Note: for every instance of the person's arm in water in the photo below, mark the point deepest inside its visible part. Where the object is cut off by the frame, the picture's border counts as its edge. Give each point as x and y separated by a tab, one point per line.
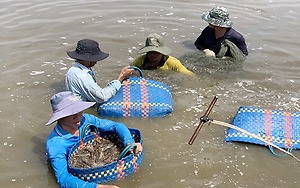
176	65
57	152
200	43
119	128
239	41
83	84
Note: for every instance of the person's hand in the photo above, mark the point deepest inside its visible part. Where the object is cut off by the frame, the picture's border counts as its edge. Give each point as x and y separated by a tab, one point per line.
139	148
209	53
107	186
125	73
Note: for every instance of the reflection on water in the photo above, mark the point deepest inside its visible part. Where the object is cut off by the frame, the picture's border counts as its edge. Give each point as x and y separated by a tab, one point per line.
35	36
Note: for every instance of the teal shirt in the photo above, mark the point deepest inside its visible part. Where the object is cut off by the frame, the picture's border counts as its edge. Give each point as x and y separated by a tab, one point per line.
59	143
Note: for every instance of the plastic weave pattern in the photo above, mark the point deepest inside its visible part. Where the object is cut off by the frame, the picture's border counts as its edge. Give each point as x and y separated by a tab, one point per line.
139	97
278	127
109	172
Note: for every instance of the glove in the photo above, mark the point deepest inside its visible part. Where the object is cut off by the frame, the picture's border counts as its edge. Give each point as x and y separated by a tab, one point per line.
209	53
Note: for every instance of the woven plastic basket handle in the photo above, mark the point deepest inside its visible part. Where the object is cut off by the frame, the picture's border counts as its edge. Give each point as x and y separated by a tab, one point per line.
126	150
138	69
279	155
86	127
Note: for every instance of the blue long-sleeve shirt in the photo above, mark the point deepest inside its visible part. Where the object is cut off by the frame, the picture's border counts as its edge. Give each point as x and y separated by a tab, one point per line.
59	142
207	40
82	82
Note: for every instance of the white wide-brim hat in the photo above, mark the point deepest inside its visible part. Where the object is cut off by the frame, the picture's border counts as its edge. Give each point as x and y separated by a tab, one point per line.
65	104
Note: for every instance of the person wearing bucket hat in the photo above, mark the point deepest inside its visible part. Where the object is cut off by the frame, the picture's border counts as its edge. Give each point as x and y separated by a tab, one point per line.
80	78
157	56
219	38
71	122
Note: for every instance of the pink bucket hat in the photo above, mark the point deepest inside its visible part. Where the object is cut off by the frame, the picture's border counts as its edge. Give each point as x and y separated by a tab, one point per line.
65	104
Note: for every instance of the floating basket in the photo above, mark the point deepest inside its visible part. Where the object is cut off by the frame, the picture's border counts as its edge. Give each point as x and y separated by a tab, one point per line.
139	97
126	164
278	127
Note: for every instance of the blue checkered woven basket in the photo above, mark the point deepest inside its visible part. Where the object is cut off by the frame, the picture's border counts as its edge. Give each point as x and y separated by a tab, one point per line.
278	127
109	172
139	97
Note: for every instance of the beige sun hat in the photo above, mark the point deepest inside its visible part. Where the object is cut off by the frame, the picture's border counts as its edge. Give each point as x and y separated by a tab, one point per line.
155	42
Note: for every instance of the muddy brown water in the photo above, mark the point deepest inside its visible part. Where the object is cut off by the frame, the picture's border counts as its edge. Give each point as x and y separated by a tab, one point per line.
35	35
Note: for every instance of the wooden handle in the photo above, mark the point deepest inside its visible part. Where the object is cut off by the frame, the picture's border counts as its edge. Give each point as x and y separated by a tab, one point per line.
203	120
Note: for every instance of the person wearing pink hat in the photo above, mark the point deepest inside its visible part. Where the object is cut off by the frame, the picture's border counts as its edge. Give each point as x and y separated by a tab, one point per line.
71	121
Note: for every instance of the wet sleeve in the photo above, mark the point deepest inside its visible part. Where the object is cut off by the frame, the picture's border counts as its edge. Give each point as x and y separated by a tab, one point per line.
199	43
101	95
84	85
138	62
176	65
57	155
241	44
239	41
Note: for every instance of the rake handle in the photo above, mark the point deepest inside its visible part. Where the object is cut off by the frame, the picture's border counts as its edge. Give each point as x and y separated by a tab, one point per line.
196	132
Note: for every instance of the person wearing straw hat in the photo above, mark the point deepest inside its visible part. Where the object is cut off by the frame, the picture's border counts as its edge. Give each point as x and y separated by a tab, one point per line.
219	39
80	78
157	56
71	121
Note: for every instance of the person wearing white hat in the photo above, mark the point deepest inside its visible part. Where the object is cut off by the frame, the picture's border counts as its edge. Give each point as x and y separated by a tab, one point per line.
219	39
157	56
71	122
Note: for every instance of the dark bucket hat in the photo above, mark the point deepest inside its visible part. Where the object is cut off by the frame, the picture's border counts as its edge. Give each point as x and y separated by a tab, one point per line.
66	104
218	16
88	50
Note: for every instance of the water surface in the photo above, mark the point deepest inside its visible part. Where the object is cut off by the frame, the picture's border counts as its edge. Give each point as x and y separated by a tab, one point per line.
35	35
